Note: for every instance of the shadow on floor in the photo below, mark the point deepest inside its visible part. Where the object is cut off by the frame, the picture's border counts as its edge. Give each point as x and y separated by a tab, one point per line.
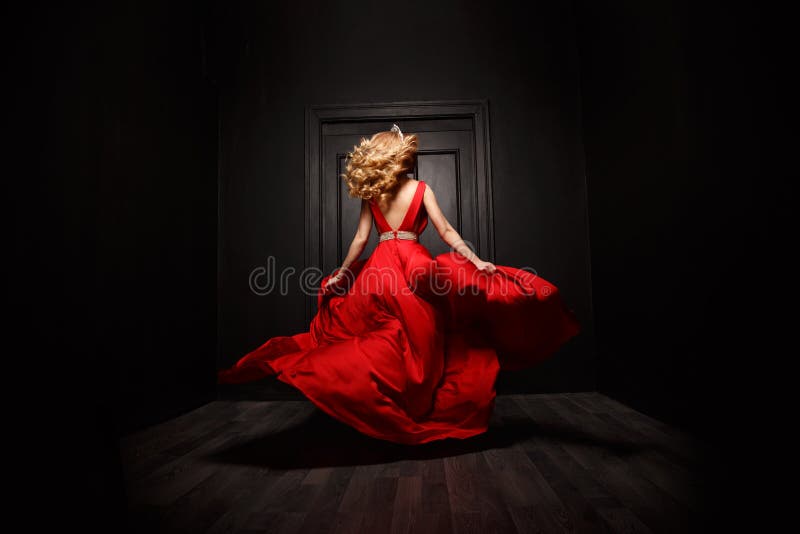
322	441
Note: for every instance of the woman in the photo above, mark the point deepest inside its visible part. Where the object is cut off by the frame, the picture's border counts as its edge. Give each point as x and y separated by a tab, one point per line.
406	347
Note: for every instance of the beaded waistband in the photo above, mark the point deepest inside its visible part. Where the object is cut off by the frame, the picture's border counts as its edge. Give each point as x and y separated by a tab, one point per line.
399	234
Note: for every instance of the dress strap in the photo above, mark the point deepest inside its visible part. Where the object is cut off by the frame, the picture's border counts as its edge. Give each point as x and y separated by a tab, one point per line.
413	209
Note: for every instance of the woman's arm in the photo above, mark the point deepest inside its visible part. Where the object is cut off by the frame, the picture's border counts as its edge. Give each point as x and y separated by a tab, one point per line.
359	241
449	234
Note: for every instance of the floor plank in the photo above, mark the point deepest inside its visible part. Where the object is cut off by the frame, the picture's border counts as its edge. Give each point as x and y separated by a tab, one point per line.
572	462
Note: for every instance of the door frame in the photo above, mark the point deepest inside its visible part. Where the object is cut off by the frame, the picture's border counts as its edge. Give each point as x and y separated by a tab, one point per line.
318	115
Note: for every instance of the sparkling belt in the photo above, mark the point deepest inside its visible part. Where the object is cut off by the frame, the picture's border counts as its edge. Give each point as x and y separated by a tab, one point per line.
399	234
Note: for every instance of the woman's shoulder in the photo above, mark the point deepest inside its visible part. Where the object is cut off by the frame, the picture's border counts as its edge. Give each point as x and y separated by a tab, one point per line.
426	189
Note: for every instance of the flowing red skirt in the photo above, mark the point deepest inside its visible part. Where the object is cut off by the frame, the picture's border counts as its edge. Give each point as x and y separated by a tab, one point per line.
408	348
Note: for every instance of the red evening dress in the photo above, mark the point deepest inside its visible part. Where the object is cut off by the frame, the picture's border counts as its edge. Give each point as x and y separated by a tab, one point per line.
407	347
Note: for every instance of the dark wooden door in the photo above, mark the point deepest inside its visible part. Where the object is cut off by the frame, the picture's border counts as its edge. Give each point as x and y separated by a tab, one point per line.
445	162
452	160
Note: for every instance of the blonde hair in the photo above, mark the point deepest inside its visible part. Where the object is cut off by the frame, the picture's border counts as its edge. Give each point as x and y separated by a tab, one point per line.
375	164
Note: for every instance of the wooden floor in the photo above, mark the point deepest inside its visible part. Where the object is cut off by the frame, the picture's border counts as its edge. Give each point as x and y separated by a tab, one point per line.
576	462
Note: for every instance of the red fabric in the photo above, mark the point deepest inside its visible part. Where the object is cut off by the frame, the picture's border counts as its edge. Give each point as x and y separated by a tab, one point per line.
392	355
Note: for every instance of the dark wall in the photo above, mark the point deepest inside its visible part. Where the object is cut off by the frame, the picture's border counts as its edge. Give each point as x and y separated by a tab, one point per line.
160	213
675	185
275	58
111	177
116	207
158	210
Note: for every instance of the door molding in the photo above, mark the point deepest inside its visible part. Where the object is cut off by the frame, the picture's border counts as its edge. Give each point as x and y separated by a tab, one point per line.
316	116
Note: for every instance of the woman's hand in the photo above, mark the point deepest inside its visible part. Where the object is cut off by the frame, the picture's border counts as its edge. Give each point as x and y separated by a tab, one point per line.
336	277
333	279
485	266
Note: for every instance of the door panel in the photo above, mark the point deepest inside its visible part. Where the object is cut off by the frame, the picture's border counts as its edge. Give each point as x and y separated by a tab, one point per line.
445	162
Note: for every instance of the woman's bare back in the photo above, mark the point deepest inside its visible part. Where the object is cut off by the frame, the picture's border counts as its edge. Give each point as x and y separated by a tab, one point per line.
397	207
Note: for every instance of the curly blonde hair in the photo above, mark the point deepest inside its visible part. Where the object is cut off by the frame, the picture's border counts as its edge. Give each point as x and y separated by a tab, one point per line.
375	164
